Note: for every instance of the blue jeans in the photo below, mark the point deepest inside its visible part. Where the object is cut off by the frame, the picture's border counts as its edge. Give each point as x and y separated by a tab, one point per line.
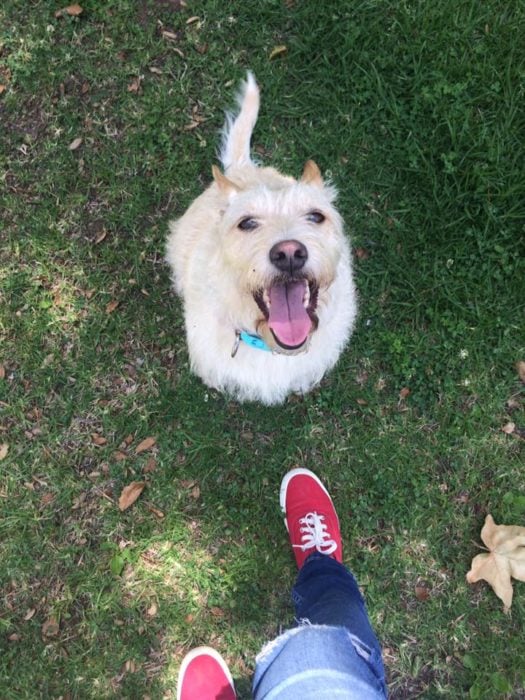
333	652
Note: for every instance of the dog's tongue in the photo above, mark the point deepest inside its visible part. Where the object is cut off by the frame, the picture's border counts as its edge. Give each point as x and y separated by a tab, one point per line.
288	319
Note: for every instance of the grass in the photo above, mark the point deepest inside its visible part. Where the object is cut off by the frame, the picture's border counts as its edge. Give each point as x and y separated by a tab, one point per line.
415	110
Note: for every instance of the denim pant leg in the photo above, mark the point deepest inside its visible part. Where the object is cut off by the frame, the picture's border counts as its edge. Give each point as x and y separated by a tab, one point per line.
333	653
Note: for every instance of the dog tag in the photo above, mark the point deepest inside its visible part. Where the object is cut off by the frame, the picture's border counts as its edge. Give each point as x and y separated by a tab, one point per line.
236	343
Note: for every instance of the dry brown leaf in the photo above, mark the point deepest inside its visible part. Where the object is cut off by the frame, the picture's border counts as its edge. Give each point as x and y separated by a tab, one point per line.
4	449
134	86
2	372
217	612
101	236
118	456
146	444
150	466
195	492
98	439
277	51
405	391
130	493
509	427
191	20
156	512
76	143
152	610
504	561
422	591
2	88
71	10
520	366
361	253
29	614
111	306
50	628
47	498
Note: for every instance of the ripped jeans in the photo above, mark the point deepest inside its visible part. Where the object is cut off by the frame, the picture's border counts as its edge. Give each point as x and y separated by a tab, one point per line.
333	653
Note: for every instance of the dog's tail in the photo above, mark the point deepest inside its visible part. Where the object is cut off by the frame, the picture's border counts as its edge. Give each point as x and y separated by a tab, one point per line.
237	132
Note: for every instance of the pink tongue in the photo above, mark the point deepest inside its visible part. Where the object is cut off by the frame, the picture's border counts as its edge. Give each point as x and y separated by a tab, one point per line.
288	318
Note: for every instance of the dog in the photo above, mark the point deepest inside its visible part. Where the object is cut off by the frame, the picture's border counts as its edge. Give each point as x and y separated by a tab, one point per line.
264	270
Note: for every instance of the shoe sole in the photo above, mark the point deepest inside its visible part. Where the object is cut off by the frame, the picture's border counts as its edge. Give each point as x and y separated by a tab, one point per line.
199	651
284	487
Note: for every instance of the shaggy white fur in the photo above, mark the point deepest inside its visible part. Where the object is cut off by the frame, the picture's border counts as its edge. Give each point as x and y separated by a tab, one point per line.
264	253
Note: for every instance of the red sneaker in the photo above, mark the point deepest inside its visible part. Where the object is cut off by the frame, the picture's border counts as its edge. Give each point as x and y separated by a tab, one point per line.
310	516
204	675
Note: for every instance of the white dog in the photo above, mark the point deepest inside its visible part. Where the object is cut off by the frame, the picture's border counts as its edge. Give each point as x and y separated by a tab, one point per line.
263	266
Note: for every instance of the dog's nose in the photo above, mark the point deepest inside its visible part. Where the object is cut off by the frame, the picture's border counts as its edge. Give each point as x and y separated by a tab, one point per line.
288	256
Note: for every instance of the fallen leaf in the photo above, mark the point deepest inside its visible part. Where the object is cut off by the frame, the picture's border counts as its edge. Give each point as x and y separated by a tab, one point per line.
146	444
191	20
152	610
277	51
361	253
520	366
422	591
71	10
134	86
2	372
76	143
29	614
101	236
98	439
195	492
150	466
154	69
217	612
130	493
405	391
50	628
118	456
509	427
14	637
111	306
156	512
2	88
4	449
47	498
505	560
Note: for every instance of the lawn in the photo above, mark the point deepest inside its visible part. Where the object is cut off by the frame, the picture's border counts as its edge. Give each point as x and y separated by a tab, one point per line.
109	123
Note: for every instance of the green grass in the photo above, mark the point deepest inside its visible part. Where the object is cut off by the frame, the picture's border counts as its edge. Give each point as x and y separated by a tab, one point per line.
415	110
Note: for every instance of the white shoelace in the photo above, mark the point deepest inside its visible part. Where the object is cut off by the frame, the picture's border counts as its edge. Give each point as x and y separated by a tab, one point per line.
314	534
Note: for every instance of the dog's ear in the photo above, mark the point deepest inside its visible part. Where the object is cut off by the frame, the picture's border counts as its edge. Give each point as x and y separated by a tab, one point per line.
311	174
226	186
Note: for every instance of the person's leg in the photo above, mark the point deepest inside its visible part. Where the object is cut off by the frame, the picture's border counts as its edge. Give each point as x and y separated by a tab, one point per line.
204	675
326	593
334	651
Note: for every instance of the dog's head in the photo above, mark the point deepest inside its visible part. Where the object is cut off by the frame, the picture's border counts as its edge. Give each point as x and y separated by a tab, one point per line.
281	242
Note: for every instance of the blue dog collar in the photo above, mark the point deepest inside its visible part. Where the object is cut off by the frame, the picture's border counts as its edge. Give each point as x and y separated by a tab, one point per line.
254	341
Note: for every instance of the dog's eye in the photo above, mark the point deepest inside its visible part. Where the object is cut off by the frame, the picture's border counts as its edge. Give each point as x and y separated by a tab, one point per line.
248	224
315	217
